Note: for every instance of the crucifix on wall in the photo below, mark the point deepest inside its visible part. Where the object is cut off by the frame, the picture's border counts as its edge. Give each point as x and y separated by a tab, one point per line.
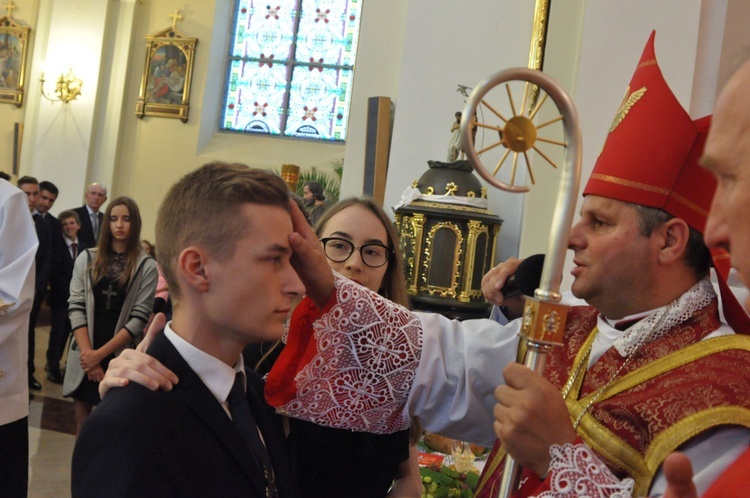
176	16
9	7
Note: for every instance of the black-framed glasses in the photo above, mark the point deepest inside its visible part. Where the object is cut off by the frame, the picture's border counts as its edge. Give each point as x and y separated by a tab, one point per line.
339	250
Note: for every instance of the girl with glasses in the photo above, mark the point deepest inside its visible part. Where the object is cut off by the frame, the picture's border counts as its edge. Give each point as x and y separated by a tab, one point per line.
360	243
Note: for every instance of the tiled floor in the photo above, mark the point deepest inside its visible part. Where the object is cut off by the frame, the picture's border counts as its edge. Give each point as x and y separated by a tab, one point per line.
51	430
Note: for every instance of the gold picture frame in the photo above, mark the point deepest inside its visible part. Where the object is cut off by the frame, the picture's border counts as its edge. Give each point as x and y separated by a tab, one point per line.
14	43
165	85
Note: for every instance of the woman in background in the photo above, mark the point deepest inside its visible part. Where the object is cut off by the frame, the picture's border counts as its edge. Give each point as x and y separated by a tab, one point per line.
148	248
111	297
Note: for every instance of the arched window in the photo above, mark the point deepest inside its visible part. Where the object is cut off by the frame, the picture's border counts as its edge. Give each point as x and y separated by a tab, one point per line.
291	67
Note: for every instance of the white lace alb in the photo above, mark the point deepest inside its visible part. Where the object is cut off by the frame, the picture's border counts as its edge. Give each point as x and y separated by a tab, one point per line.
575	471
697	297
368	350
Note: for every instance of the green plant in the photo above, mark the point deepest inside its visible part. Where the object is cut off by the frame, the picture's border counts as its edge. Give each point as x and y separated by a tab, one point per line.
338	167
444	482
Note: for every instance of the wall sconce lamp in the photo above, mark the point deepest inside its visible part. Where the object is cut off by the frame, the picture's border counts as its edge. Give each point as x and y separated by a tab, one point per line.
67	88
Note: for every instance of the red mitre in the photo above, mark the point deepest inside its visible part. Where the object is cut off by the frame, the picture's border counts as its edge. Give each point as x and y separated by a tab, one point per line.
651	158
651	154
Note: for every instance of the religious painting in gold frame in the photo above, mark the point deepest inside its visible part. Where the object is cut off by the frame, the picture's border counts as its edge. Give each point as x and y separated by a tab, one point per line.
14	43
168	70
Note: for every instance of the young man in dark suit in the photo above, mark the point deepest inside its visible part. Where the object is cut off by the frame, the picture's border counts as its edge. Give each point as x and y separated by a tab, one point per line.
30	187
48	193
65	253
90	215
232	283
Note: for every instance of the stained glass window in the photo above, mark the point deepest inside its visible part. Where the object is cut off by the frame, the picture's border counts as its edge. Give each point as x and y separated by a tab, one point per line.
291	67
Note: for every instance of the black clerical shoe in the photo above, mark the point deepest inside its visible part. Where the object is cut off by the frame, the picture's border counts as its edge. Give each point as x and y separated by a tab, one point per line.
55	377
34	384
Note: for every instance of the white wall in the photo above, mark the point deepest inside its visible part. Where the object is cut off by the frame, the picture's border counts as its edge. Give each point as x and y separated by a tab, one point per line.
381	39
58	137
447	43
99	138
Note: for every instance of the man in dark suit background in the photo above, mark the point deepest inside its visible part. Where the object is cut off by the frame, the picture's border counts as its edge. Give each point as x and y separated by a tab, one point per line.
90	215
64	256
231	284
48	193
30	187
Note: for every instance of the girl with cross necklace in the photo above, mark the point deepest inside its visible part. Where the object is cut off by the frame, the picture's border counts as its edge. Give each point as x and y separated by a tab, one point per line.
111	297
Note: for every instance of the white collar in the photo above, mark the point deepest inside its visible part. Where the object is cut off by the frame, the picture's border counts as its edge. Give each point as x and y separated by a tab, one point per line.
215	374
697	297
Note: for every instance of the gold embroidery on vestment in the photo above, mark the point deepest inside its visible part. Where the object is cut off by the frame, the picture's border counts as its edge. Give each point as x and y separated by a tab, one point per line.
642	468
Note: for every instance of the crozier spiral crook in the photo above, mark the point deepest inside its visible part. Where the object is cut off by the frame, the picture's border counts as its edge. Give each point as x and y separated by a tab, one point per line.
519	134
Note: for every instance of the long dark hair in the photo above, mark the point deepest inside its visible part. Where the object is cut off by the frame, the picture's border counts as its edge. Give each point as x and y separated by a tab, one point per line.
104	245
393	286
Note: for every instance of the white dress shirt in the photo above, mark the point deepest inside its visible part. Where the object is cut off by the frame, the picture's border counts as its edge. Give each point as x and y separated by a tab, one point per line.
215	374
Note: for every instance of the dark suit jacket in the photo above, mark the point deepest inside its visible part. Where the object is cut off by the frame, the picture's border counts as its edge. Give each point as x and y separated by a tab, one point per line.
62	272
43	254
56	226
86	233
178	443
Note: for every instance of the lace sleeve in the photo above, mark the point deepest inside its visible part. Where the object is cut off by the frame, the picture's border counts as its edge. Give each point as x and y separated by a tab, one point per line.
367	351
576	471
